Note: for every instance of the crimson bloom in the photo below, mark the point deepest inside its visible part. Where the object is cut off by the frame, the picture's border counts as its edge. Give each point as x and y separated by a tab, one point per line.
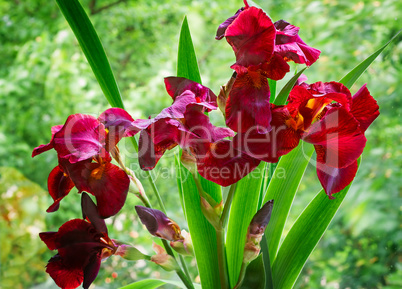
184	123
83	145
81	245
262	49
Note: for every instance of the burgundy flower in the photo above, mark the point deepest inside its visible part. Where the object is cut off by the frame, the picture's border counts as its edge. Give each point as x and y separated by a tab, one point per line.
81	246
83	144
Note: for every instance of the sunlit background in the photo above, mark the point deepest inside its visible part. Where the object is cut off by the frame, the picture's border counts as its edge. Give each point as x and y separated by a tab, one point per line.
44	77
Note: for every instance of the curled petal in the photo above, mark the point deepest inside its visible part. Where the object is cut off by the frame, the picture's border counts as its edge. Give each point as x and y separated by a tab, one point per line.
252	37
82	137
225	165
291	47
158	224
90	212
59	185
45	147
333	179
337	138
248	103
364	108
220	33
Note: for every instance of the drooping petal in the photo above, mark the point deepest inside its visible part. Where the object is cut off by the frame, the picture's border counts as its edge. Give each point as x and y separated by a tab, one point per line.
82	137
154	141
220	33
49	239
107	182
276	68
337	138
248	104
225	165
364	108
175	86
333	179
252	37
291	47
158	224
91	270
45	147
268	147
90	212
59	185
64	276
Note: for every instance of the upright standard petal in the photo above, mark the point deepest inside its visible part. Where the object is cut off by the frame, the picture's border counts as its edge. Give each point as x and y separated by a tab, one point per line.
364	108
337	138
220	33
248	104
252	37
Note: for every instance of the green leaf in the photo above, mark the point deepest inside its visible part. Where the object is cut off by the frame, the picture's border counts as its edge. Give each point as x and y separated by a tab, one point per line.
282	189
187	61
272	87
255	275
304	235
284	93
92	48
203	235
178	180
349	79
153	283
244	206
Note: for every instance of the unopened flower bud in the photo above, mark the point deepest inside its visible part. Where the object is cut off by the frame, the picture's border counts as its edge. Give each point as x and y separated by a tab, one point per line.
158	224
163	259
183	247
189	162
129	252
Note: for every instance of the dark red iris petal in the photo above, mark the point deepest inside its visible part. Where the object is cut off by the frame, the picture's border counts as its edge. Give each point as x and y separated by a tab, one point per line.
225	165
91	270
252	37
337	138
64	276
276	68
248	103
59	185
82	137
364	108
290	46
176	86
220	33
333	179
155	140
45	147
107	182
270	146
91	213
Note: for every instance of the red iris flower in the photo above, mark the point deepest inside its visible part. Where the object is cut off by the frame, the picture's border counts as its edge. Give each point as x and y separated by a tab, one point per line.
83	144
335	129
81	245
262	49
184	123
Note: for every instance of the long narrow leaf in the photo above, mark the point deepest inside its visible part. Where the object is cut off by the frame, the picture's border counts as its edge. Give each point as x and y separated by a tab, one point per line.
303	237
282	189
244	206
255	275
349	79
154	283
187	61
92	48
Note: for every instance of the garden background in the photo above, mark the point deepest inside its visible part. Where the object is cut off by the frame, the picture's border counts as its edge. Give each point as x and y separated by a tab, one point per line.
44	77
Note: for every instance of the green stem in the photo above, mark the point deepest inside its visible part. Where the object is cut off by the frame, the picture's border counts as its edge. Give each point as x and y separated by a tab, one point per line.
222	263
241	276
184	265
228	203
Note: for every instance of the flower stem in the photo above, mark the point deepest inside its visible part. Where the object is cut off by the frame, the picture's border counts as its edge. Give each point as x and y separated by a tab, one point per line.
228	203
222	263
241	276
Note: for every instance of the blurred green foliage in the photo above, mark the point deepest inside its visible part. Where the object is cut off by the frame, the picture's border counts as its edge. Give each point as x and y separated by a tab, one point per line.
44	77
